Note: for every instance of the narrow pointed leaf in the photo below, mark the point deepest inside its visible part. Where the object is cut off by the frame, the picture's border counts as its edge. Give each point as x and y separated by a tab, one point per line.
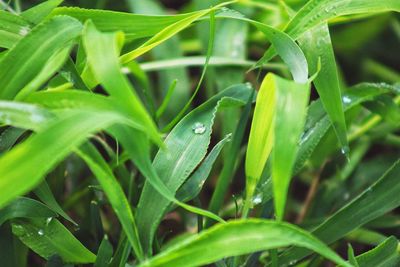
24	207
114	193
191	136
317	44
243	237
27	58
107	70
37	13
48	237
70	131
375	201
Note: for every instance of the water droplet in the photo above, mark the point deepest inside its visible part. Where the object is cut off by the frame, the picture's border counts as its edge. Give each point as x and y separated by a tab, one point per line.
248	85
257	199
48	220
346	99
292	262
346	196
40	232
199	128
24	31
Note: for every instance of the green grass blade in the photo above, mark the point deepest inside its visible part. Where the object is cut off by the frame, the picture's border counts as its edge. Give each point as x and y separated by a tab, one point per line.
292	99
203	73
27	58
228	170
191	136
104	254
238	238
12	29
169	49
318	122
24	207
385	254
278	122
164	35
166	100
48	237
317	11
134	26
375	201
43	192
138	151
107	70
37	13
70	131
317	45
285	46
192	187
114	193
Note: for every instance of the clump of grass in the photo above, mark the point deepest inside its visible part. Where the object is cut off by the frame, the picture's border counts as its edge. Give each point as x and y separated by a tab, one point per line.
141	138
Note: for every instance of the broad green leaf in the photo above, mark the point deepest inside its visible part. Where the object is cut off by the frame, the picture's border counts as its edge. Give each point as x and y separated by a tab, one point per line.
317	44
107	70
37	13
12	29
278	122
191	136
375	201
24	207
48	237
386	254
70	131
192	187
238	238
29	56
114	192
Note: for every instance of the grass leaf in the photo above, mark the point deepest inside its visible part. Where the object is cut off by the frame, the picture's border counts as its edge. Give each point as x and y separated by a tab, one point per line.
243	237
24	61
48	237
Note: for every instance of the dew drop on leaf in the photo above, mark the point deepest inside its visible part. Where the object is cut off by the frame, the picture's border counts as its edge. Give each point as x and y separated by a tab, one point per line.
199	128
346	99
257	199
40	232
48	220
